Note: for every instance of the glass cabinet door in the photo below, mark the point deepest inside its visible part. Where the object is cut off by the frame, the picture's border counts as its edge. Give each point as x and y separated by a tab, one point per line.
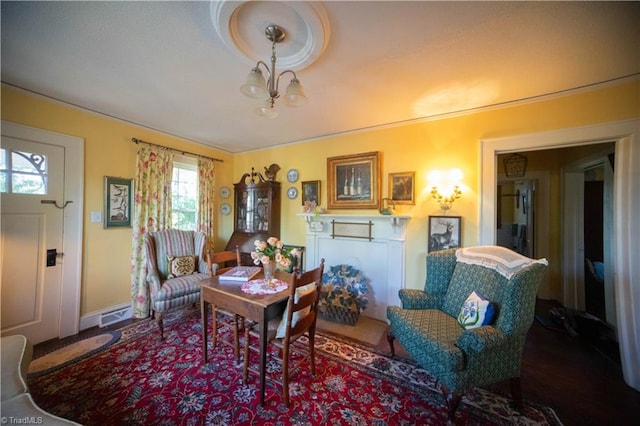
253	212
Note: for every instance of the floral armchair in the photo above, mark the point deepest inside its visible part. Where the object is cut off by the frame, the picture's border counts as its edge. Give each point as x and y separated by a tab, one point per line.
175	263
434	325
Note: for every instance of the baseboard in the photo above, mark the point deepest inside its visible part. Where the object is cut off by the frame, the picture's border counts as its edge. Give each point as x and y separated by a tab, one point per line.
92	319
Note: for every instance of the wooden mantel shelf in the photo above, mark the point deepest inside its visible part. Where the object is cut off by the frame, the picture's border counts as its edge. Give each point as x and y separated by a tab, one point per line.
397	221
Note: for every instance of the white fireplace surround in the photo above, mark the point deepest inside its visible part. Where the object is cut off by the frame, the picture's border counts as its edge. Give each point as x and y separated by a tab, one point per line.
381	259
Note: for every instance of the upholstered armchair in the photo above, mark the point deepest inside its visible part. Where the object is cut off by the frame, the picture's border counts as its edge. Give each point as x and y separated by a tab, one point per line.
175	263
447	327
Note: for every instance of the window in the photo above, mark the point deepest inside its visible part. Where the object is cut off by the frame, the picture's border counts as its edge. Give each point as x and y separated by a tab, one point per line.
184	194
23	172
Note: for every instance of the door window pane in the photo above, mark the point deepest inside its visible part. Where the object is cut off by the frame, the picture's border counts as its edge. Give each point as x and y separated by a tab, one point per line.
23	172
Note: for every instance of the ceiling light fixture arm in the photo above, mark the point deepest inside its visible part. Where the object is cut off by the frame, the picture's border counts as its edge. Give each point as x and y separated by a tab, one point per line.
258	88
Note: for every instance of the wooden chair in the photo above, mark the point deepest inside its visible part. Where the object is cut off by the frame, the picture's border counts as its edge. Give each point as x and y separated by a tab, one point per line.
223	261
298	319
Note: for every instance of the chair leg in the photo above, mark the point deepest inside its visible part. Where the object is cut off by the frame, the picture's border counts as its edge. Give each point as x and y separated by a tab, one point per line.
453	400
160	322
245	371
390	339
236	338
312	350
516	393
285	374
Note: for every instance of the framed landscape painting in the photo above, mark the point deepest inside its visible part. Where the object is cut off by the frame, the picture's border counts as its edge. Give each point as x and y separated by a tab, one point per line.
353	181
402	187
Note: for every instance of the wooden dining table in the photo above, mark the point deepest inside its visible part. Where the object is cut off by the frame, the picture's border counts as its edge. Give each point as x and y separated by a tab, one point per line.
260	308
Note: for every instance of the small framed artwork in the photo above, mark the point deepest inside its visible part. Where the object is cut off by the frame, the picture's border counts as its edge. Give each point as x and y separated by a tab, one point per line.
402	187
118	201
353	181
311	191
444	232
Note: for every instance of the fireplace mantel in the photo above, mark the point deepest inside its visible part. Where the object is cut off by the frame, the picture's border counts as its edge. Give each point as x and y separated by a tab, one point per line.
375	244
394	223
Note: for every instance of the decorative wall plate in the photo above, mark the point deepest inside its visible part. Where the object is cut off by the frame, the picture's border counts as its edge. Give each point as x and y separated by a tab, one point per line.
225	192
292	193
292	175
225	208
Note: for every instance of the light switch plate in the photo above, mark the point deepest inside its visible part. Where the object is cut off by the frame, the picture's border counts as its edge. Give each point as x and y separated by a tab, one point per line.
96	217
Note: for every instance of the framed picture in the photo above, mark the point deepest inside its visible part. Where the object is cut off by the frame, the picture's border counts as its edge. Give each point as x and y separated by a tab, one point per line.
402	188
118	199
444	232
353	181
311	191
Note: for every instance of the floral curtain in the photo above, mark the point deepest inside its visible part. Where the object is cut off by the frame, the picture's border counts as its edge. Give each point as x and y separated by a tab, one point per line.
206	205
152	212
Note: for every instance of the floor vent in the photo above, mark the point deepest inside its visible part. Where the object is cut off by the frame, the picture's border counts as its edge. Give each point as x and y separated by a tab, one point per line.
108	318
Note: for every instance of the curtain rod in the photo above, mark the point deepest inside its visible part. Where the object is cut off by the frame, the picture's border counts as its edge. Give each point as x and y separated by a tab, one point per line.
138	141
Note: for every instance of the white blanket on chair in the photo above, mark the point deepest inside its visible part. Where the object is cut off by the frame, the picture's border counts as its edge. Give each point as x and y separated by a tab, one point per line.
506	262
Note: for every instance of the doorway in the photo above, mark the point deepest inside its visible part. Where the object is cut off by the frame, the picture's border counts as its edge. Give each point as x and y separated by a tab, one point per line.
588	234
625	204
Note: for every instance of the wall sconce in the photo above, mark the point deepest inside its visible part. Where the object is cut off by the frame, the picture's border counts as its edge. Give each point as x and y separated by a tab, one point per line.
445	189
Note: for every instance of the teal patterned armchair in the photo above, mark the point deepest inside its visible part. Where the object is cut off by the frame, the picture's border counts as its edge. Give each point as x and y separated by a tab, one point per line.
429	329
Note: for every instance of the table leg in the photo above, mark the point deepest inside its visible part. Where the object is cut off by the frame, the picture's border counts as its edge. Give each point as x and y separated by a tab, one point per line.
263	357
203	318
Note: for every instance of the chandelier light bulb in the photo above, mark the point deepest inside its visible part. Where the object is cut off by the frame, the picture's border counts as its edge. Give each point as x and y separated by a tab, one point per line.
256	86
266	110
294	95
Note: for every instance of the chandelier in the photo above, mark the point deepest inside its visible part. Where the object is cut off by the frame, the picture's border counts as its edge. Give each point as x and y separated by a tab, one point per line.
257	87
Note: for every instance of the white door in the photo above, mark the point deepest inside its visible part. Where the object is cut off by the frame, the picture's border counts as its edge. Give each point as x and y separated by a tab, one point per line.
32	181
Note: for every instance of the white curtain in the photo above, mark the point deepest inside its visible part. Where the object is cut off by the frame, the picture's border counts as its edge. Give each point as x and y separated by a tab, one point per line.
627	247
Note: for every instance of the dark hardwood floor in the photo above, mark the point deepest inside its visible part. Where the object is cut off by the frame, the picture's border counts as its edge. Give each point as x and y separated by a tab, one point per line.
581	382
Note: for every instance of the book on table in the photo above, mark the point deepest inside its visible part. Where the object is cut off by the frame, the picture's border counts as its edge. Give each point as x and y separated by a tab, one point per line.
240	273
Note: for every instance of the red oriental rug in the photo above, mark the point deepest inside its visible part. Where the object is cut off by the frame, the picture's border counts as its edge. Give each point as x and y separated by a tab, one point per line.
141	381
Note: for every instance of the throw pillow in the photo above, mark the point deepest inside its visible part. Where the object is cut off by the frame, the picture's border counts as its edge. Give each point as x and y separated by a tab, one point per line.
181	265
300	291
476	312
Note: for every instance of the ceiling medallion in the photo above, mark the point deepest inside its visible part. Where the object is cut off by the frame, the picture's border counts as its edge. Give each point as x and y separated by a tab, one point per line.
307	27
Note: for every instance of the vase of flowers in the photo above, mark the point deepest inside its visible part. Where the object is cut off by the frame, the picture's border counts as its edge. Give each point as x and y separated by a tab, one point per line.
272	254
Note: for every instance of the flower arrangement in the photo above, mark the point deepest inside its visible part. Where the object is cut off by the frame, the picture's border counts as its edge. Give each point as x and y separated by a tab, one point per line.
273	250
311	207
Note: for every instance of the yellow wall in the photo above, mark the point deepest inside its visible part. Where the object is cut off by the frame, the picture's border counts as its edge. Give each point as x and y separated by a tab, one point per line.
444	144
421	147
108	152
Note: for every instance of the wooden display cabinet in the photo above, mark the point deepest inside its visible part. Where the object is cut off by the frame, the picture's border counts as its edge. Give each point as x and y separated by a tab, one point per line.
256	212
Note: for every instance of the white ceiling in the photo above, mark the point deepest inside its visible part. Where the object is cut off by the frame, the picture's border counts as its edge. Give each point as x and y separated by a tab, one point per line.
163	65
